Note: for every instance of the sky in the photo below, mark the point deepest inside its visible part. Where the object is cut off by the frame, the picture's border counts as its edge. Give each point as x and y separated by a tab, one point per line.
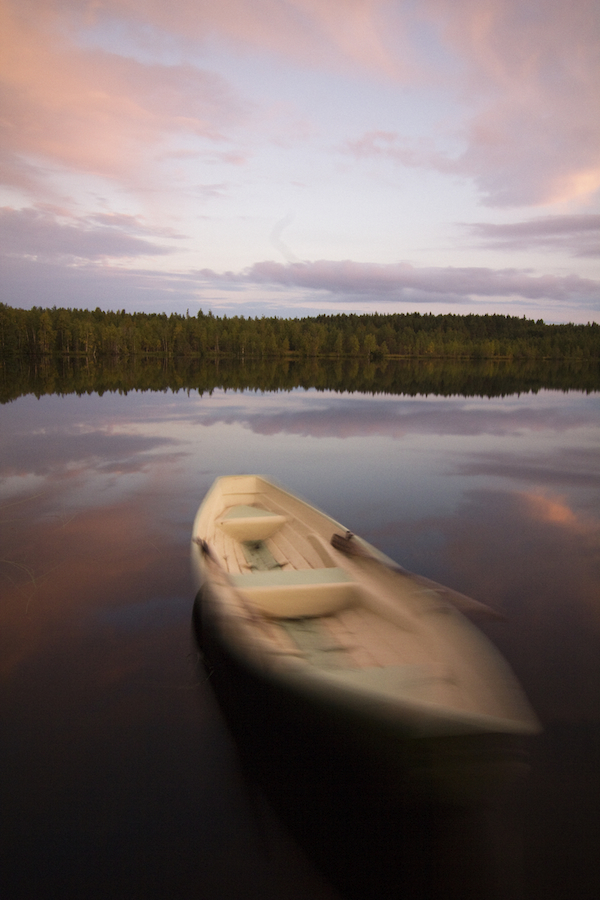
298	157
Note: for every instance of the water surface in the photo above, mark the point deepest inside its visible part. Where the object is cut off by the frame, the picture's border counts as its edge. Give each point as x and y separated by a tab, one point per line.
119	777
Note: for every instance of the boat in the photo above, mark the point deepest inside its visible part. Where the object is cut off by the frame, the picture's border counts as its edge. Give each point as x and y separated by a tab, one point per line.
338	645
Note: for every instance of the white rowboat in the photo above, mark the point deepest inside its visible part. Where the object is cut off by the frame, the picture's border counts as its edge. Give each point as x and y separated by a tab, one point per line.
335	632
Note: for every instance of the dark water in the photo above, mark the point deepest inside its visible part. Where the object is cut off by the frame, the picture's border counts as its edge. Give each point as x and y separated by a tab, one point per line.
118	774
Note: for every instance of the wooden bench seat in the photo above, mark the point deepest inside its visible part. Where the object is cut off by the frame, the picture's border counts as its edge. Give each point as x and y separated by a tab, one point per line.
298	593
250	523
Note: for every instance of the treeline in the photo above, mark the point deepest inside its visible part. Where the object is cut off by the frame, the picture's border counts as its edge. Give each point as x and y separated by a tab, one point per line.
96	335
408	377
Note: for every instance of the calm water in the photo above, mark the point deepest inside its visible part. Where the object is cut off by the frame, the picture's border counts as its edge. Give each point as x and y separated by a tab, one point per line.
118	776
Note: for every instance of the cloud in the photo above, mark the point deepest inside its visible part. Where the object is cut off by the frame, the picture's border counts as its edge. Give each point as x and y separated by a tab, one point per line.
330	34
212	191
94	111
391	145
514	156
526	76
33	282
402	281
533	67
39	234
132	224
578	235
101	97
36	274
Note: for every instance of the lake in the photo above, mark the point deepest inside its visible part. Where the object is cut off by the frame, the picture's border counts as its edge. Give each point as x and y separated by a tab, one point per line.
119	777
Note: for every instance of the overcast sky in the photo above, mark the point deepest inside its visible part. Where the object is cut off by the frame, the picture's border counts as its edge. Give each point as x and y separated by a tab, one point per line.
293	157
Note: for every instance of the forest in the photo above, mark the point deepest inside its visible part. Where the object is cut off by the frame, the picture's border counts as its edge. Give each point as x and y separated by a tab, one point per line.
98	335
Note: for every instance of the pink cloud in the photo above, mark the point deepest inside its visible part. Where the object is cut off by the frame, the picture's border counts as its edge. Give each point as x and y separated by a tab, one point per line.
95	111
528	80
398	149
525	75
330	34
535	67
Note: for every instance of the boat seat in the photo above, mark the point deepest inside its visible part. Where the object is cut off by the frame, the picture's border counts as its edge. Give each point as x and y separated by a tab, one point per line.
298	593
250	523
